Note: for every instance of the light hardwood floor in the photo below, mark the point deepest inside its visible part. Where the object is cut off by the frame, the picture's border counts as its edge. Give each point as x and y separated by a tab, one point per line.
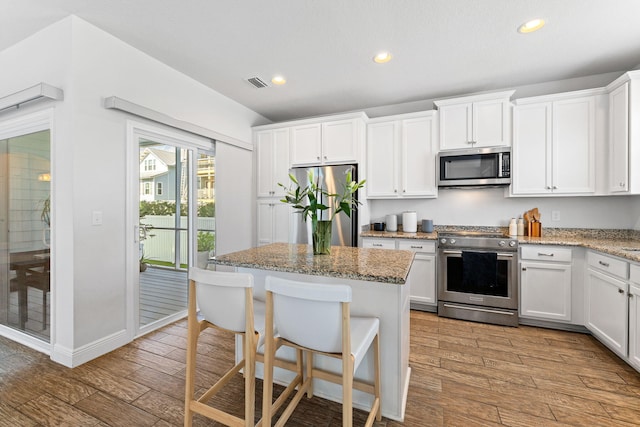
463	374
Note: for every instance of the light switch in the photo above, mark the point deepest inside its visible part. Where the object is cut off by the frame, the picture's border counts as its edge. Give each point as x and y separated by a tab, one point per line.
96	218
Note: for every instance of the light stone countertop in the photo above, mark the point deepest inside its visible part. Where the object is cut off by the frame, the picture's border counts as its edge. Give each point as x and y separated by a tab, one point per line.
371	265
621	243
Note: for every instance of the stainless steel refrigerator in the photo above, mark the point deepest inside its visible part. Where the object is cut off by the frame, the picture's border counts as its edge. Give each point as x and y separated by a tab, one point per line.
332	178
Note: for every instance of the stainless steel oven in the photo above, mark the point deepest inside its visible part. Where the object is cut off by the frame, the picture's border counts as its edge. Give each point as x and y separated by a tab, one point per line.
478	277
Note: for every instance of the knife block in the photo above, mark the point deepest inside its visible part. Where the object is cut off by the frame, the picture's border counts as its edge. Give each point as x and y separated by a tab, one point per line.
535	229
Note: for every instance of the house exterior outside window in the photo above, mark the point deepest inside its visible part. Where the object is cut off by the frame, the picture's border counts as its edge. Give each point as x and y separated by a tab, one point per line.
158	188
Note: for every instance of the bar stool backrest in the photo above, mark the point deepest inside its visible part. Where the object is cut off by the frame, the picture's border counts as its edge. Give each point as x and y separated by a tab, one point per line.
221	297
309	314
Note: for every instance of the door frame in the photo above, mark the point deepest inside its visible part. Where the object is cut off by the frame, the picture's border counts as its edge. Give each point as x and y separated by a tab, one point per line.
14	127
171	136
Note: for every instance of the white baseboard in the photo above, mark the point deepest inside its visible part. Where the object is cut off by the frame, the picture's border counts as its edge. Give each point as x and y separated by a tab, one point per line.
76	357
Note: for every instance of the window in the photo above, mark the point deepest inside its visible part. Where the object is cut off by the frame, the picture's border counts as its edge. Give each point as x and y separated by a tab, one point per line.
150	164
159	188
147	188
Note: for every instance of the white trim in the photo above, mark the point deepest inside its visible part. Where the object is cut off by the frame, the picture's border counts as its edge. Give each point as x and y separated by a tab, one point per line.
26	340
26	124
115	103
72	358
33	93
192	143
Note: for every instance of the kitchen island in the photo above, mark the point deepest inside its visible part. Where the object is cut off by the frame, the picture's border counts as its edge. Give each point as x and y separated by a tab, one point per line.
379	280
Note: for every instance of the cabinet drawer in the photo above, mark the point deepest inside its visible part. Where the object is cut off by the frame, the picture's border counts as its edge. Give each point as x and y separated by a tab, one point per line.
545	253
615	267
379	243
634	273
428	246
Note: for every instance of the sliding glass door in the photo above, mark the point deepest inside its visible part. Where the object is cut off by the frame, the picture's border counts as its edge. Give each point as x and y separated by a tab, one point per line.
175	201
25	233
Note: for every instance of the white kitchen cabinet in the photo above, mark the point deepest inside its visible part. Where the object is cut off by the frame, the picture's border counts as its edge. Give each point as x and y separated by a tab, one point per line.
475	121
624	134
325	143
272	152
607	306
634	316
554	144
274	220
401	156
423	269
545	283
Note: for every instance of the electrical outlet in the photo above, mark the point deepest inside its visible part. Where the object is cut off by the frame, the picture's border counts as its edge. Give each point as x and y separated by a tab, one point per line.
555	215
96	218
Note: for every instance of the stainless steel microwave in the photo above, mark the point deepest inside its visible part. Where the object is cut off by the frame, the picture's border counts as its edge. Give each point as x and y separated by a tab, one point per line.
481	167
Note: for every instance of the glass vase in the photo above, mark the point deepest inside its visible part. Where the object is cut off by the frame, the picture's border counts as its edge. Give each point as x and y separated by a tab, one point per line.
322	238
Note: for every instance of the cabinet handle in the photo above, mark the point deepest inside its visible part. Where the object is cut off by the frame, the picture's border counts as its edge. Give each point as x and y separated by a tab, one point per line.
604	264
555	188
318	157
325	157
395	190
543	254
404	191
622	184
548	188
524	268
377	244
416	247
621	291
630	295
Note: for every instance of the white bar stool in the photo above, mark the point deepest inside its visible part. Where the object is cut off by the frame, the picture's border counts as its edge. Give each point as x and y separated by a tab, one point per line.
316	319
226	303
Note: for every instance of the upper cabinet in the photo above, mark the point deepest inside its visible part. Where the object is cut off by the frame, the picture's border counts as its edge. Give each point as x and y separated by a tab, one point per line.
554	143
327	142
475	121
272	148
624	134
401	156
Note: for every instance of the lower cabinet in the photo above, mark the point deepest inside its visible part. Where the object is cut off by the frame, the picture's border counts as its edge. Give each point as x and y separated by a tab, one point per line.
607	301
545	283
423	270
274	219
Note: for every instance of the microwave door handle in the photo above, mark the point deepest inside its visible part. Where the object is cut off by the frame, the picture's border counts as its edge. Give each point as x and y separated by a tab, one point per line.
500	165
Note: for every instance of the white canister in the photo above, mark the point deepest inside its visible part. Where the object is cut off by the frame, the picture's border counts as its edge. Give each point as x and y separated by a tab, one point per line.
409	222
391	222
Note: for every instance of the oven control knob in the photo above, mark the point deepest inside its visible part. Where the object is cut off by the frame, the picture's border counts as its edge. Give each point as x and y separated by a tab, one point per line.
502	243
443	241
512	243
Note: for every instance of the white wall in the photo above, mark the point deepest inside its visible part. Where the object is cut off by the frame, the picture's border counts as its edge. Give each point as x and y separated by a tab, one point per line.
89	173
489	207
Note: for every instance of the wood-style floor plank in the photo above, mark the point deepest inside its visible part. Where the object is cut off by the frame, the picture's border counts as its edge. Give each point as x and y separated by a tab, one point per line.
463	374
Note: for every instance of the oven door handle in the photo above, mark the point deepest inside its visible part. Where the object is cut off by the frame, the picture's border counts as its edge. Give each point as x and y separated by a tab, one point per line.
499	254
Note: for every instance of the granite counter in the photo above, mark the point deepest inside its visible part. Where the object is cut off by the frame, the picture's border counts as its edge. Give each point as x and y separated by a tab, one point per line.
374	265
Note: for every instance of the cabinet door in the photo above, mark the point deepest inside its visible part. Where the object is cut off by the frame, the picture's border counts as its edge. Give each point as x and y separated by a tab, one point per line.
265	222
491	123
532	149
455	126
306	143
272	151
634	326
382	159
619	140
423	279
607	310
340	142
574	146
264	155
281	222
280	166
545	290
418	171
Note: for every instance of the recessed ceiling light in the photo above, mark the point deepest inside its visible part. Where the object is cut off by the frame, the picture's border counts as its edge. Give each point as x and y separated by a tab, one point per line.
278	80
382	57
531	26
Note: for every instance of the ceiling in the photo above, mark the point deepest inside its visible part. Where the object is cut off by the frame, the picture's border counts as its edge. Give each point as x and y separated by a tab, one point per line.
324	48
